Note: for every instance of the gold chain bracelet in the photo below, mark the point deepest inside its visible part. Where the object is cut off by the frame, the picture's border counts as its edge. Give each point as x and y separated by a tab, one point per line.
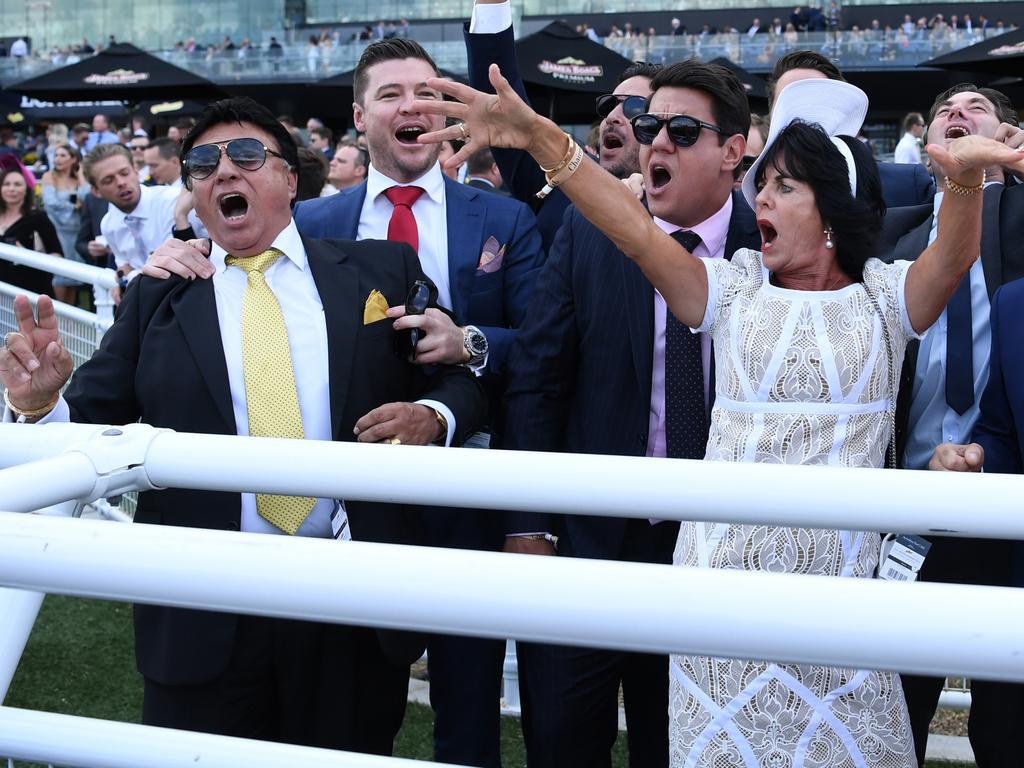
964	191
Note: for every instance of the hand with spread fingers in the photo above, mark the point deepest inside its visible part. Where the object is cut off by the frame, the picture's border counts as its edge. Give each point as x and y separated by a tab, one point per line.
949	457
399	423
961	160
185	259
501	119
34	364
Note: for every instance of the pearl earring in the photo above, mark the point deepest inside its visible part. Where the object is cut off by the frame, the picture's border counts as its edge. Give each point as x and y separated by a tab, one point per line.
828	239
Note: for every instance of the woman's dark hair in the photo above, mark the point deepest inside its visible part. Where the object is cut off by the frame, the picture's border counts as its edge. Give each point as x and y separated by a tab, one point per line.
76	159
809	155
26	206
239	109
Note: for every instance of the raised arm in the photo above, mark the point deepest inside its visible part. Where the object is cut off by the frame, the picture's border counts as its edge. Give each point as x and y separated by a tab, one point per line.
935	275
34	364
504	120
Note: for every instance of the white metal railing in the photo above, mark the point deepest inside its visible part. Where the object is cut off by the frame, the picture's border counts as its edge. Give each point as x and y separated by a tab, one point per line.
948	628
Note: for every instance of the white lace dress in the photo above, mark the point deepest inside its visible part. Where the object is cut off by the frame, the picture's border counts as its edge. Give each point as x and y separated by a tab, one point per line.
802	378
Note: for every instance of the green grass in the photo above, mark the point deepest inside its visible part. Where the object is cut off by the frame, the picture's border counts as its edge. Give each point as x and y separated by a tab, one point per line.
79	661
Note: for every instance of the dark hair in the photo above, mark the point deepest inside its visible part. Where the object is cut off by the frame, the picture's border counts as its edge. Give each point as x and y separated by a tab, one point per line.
76	159
102	152
640	69
168	147
729	105
912	119
480	161
26	204
362	156
239	109
324	133
392	49
802	60
809	155
1004	107
312	174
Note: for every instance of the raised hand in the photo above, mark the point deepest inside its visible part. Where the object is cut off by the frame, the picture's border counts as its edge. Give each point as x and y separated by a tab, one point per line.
501	119
34	364
961	158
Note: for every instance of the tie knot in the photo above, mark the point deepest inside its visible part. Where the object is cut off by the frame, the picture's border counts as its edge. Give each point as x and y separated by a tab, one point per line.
258	263
689	240
403	195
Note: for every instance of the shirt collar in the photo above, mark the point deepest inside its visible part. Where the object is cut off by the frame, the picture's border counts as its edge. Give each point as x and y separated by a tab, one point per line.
432	183
287	241
713	230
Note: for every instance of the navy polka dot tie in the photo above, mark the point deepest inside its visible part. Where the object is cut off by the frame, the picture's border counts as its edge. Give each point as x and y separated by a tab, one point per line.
686	420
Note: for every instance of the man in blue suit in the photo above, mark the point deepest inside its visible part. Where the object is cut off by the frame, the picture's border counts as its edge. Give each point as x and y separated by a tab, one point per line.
601	366
482	252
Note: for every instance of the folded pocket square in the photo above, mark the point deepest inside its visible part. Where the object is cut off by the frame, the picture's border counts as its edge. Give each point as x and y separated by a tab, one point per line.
491	257
376	307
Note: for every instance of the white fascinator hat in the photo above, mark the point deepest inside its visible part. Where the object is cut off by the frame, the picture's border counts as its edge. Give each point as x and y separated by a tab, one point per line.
837	107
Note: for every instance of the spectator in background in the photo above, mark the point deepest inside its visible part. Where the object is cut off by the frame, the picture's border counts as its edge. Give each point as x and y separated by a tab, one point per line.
313	55
79	136
56	135
312	174
22	225
908	150
137	146
320	140
482	172
90	243
756	138
64	186
348	167
163	162
19	49
100	133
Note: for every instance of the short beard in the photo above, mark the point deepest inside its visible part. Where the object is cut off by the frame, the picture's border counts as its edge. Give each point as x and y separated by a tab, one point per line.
626	165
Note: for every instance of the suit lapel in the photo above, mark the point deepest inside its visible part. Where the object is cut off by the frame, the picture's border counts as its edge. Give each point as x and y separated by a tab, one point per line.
348	213
465	217
743	231
991	252
195	308
912	244
337	282
640	316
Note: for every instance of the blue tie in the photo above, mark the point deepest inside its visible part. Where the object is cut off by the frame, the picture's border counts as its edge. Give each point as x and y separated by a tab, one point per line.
960	348
686	420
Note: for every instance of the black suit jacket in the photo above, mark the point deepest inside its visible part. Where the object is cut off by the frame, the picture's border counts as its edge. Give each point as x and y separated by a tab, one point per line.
162	362
580	378
89	217
906	231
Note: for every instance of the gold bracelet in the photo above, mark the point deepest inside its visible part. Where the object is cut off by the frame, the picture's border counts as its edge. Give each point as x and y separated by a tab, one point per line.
959	189
559	177
565	158
30	414
443	422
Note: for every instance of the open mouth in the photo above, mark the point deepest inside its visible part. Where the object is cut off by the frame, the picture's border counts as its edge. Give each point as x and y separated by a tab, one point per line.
660	176
611	141
768	234
956	132
233	206
409	135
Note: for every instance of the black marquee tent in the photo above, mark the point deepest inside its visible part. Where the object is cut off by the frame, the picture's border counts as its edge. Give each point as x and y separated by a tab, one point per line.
1001	55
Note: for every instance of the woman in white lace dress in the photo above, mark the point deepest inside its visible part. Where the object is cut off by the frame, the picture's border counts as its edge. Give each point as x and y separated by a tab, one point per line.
809	335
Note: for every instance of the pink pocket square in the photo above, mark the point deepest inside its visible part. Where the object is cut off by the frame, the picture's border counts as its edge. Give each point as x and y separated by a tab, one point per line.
491	257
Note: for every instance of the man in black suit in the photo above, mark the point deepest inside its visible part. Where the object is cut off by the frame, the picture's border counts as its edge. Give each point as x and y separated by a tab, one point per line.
937	405
185	355
94	251
589	375
482	172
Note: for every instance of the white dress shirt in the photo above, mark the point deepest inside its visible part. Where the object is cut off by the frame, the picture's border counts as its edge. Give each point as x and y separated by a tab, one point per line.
431	223
489	19
154	218
907	150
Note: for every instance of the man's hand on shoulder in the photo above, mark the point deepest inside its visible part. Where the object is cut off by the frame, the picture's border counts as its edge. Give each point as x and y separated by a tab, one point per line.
185	259
443	341
34	364
399	423
949	457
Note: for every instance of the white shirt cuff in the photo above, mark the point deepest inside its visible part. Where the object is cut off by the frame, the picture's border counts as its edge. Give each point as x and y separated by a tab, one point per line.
445	411
490	19
60	414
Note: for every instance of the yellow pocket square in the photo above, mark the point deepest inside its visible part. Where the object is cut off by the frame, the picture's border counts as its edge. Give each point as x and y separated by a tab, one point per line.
376	307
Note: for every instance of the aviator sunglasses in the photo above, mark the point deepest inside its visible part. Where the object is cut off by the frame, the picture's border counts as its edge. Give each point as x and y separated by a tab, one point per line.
631	105
682	129
247	154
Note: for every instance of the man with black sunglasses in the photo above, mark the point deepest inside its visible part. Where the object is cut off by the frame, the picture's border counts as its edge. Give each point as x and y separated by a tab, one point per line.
600	366
287	340
489	40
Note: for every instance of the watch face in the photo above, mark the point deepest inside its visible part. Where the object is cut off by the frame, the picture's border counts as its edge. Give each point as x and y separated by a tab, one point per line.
477	343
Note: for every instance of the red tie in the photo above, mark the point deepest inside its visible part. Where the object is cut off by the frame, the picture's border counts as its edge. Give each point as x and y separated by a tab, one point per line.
402	227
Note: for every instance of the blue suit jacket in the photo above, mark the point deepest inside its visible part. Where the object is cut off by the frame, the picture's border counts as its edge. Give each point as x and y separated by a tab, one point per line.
1001	423
496	302
905	184
580	378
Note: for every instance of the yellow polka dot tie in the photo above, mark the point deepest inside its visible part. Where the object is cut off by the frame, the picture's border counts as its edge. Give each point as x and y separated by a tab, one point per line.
270	394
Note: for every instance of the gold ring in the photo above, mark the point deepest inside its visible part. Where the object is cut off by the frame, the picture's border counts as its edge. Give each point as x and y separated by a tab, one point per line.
394	441
7	338
463	131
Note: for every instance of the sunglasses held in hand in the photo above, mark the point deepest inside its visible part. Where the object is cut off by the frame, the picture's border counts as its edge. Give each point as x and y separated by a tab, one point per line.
247	154
682	129
416	303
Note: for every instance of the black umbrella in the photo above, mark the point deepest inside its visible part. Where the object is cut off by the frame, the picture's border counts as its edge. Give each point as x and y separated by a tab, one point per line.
561	59
1000	55
18	109
756	87
123	73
